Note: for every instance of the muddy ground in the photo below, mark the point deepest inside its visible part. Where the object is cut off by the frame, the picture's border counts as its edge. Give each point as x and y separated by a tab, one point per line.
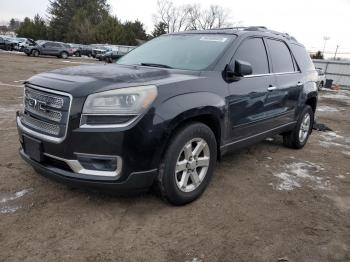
265	203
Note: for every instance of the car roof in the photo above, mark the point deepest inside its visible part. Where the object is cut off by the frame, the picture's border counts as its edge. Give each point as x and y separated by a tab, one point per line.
255	30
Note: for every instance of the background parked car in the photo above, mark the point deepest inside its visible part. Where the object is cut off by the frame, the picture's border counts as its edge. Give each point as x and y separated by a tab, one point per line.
116	53
99	50
6	43
321	77
23	42
49	48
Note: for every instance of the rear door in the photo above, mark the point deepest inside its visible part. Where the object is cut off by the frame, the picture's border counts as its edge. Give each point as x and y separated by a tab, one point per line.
281	100
246	103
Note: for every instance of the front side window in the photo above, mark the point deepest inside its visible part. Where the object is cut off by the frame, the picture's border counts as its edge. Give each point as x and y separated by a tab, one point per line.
282	61
183	51
253	51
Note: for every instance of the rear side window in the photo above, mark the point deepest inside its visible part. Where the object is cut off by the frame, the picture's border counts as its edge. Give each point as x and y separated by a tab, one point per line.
253	51
303	59
280	55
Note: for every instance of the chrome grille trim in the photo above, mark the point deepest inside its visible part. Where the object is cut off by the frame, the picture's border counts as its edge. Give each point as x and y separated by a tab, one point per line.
49	114
52	101
42	126
63	127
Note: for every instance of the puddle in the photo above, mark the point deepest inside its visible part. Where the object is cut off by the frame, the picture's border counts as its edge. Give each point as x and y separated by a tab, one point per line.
9	202
300	174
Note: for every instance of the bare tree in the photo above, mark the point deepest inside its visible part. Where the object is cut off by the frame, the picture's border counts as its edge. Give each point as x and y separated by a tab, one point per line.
174	17
213	17
190	17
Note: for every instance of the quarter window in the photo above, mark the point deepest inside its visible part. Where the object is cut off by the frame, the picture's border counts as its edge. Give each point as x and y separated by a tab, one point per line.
280	56
253	51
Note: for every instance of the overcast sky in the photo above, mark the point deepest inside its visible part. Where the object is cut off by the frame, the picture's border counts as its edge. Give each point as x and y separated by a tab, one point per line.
308	20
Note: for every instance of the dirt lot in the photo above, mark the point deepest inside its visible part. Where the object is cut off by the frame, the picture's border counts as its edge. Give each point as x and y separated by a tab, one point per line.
265	203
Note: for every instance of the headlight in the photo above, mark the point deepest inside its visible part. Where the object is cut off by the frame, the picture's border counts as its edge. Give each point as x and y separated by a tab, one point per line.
117	106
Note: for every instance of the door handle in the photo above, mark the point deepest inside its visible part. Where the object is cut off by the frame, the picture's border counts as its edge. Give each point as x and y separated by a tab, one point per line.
271	88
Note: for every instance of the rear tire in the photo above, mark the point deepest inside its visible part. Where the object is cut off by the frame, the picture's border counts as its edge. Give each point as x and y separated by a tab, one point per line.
298	137
188	164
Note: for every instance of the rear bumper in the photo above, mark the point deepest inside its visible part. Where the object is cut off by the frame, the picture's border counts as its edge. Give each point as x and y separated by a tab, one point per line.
135	182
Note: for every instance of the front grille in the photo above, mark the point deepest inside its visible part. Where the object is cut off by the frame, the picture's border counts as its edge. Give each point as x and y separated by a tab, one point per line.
39	125
46	111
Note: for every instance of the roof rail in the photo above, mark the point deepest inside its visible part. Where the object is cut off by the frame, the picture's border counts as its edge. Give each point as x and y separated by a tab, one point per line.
264	29
256	28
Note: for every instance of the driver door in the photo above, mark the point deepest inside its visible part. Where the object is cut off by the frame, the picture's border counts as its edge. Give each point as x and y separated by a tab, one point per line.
246	104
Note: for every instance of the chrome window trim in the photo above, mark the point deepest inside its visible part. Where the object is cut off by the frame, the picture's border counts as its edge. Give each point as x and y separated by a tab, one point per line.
246	138
36	134
79	169
271	74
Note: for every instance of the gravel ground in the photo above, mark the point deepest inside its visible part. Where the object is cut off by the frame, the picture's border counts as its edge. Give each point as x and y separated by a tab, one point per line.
265	203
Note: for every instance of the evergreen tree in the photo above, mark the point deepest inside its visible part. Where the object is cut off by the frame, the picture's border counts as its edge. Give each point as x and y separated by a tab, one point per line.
35	28
68	15
159	29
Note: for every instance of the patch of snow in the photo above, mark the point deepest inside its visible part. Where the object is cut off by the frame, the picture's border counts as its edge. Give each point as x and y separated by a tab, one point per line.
75	62
333	139
288	182
326	109
328	144
330	136
9	196
340	96
4	84
296	174
340	176
8	201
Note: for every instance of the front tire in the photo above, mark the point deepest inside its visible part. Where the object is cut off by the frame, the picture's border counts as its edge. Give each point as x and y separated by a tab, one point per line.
64	55
188	164
298	137
35	53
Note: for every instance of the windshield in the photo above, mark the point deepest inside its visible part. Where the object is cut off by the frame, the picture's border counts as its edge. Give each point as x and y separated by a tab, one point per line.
186	51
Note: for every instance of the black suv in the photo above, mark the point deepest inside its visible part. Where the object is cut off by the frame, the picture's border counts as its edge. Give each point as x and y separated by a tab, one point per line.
49	48
166	111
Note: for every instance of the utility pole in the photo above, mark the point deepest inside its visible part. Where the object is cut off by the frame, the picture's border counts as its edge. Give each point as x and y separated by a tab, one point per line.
336	51
325	38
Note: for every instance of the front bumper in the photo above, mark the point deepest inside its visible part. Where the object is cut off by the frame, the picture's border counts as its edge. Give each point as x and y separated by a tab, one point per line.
135	182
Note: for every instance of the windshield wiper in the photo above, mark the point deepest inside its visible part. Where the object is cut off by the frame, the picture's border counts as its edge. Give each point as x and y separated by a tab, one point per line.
155	65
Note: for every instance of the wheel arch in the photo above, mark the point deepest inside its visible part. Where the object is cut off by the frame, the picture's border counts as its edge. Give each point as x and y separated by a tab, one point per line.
35	49
206	108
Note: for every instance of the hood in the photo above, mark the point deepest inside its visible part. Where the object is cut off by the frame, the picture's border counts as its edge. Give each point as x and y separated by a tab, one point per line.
87	79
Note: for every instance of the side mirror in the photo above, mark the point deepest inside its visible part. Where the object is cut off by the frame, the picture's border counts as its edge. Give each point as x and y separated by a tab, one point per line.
241	69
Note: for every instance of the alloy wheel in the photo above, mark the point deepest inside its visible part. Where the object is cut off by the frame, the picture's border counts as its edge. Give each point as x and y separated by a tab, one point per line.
192	165
304	128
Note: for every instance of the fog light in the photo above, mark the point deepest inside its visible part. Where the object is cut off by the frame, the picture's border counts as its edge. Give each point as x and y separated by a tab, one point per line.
98	162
